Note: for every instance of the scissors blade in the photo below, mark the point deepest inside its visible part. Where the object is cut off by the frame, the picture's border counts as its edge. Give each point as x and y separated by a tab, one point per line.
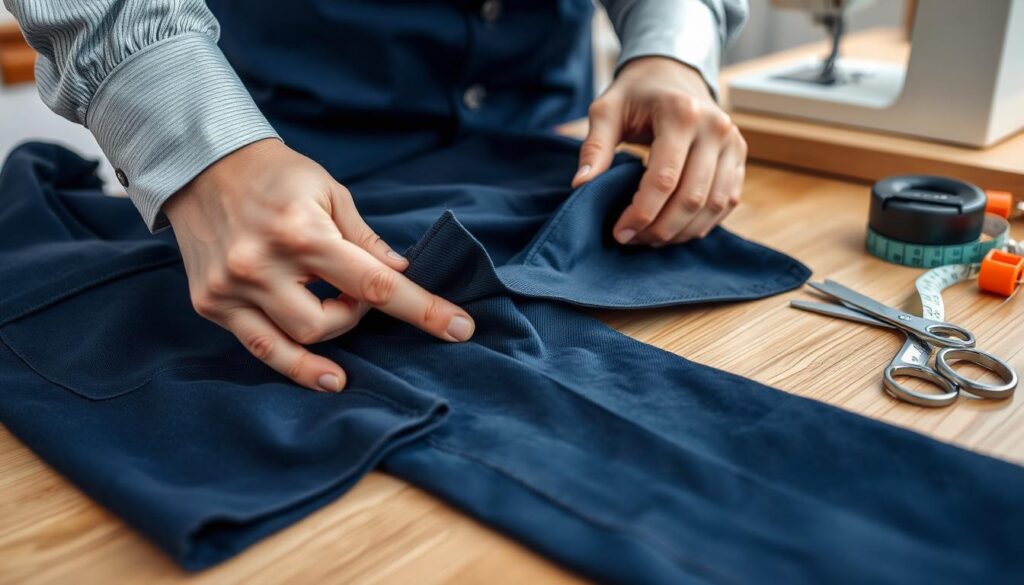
926	329
853	298
839	312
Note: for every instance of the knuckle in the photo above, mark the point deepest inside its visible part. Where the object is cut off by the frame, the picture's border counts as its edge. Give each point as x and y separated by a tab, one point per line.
204	303
599	108
309	334
693	201
295	229
294	370
368	239
218	284
686	107
660	235
434	312
301	242
664	180
741	144
721	125
591	149
260	346
646	217
717	203
341	190
242	263
378	287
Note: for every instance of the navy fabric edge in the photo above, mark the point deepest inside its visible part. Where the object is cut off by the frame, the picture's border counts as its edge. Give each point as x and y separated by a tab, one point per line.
286	514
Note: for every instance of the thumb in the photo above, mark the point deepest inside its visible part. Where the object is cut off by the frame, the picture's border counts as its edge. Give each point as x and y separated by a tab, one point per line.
598	148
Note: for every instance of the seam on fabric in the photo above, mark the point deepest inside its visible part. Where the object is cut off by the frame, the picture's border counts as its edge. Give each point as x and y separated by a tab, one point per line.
92	282
393	404
198	366
753	292
563	211
656	543
797	270
81	393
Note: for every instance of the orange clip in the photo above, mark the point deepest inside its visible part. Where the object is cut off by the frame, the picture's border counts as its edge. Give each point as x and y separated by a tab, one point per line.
1000	272
999	203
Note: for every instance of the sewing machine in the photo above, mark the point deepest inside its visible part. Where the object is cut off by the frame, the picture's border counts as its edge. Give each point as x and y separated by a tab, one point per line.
963	83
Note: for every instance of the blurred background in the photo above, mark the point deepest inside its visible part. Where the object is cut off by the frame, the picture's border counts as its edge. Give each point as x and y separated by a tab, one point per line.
768	30
23	116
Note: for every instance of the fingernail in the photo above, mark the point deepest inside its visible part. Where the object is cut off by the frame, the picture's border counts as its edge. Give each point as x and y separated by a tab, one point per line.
395	256
583	172
625	236
329	382
460	328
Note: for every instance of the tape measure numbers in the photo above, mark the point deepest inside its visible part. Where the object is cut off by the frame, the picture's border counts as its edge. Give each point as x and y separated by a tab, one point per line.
924	221
931	284
995	231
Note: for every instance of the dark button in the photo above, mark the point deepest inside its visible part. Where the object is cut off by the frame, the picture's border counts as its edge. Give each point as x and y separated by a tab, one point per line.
490	11
121	178
474	96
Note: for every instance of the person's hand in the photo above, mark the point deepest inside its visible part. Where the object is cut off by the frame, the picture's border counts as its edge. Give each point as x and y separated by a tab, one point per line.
696	167
259	225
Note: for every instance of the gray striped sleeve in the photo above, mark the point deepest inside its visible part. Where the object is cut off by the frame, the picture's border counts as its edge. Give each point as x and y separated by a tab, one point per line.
690	31
146	77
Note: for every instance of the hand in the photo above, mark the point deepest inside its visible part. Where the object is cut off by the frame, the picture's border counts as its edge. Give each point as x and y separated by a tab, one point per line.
257	226
696	167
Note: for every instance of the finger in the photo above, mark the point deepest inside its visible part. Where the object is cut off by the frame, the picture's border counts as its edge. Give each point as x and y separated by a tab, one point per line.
721	199
598	149
301	315
689	198
734	197
271	346
355	230
358	274
669	150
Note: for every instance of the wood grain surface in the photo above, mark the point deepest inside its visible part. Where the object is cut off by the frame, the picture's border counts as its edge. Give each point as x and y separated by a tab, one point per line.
385	531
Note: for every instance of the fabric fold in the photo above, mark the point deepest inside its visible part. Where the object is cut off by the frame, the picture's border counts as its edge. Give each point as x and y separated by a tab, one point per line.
619	460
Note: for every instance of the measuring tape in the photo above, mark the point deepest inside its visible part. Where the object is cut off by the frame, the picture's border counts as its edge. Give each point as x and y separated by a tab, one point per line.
924	221
995	232
931	284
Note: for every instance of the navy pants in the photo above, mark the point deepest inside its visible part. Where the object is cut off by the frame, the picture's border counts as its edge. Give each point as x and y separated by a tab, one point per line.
619	460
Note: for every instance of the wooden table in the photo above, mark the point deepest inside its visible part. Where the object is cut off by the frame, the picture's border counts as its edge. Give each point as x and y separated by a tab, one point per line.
387	531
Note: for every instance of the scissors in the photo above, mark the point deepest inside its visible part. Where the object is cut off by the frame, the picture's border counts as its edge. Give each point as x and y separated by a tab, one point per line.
912	359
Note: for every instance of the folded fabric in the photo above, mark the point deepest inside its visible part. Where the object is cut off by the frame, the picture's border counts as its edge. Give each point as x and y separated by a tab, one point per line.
622	461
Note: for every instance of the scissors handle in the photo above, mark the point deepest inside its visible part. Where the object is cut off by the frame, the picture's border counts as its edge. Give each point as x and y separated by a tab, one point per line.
901	392
979	358
912	360
947	334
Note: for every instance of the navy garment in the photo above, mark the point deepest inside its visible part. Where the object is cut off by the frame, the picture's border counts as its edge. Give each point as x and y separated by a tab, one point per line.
623	462
359	84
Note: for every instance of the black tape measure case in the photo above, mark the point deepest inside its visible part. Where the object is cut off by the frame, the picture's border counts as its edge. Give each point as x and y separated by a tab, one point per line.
926	221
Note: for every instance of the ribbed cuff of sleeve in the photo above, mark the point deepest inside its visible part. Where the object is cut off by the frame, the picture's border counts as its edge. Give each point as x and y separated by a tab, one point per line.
166	113
684	30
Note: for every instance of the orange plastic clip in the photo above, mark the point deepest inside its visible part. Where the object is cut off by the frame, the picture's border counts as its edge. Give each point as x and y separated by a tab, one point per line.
999	203
1000	272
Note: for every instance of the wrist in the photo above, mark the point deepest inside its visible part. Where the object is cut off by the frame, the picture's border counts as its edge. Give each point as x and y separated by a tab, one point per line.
221	177
665	69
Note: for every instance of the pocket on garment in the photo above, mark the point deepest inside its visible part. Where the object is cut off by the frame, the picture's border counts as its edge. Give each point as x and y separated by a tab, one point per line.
105	335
